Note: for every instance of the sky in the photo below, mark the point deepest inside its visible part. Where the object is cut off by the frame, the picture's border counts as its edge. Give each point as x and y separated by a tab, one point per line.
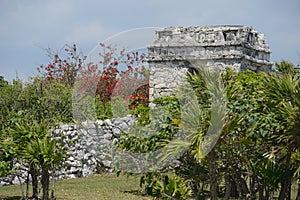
28	27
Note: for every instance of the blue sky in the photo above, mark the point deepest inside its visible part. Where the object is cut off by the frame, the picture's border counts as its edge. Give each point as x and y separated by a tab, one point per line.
27	27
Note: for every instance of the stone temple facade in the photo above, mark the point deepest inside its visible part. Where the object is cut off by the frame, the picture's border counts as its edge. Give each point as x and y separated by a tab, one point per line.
176	50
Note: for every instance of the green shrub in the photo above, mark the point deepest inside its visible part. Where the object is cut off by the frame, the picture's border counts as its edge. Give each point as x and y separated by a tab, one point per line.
165	186
154	126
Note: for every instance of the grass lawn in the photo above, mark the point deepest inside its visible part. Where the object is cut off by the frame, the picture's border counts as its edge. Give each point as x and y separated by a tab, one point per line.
102	187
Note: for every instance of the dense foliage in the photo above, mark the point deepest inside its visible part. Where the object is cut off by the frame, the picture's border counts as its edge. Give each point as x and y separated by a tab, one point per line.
28	110
255	157
257	153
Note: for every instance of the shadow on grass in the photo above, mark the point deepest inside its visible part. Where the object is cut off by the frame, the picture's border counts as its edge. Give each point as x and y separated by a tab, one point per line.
136	193
10	198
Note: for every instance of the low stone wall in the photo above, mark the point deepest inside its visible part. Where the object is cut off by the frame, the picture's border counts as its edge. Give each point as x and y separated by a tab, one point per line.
85	144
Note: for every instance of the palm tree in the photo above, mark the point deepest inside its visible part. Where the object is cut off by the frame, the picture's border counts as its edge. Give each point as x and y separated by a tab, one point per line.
203	111
262	115
23	131
46	154
34	146
283	88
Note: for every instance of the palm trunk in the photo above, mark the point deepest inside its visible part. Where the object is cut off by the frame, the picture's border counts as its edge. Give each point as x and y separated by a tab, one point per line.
27	185
53	184
212	168
261	188
21	185
227	187
35	184
285	191
241	185
45	182
252	187
271	197
298	195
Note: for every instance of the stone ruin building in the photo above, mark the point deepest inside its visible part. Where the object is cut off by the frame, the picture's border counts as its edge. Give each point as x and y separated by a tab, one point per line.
175	50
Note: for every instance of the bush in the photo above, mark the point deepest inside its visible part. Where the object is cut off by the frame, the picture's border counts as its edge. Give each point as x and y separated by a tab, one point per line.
165	186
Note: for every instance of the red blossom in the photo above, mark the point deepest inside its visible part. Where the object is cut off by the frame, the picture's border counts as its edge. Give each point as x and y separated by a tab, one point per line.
61	68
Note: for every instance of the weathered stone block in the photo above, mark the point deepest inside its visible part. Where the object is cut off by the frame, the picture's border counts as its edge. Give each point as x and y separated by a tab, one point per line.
176	50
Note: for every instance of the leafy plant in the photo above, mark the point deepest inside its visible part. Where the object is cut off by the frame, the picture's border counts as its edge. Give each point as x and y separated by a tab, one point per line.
165	186
154	131
44	153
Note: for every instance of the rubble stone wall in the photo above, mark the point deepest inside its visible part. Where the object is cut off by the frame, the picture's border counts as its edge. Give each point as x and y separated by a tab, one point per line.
85	145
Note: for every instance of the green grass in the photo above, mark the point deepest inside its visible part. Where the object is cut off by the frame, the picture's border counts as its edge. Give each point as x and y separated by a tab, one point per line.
100	187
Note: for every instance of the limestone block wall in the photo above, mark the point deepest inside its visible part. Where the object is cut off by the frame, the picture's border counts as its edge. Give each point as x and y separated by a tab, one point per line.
175	50
165	77
85	145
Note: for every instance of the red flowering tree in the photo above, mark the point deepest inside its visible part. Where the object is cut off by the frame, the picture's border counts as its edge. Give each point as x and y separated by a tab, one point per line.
70	67
133	82
63	65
